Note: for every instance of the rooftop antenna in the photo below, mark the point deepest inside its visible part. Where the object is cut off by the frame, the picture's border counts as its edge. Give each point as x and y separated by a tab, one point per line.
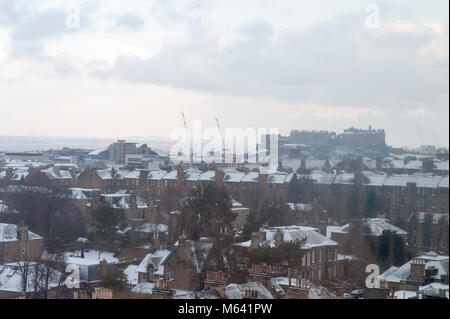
191	155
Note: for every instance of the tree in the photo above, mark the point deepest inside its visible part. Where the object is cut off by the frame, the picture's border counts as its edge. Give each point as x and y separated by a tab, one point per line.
169	198
289	252
37	279
391	249
275	213
399	250
211	208
107	222
371	204
117	281
384	248
294	190
48	211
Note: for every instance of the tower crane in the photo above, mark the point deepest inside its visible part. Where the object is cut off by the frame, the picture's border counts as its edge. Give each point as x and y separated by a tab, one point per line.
421	135
191	155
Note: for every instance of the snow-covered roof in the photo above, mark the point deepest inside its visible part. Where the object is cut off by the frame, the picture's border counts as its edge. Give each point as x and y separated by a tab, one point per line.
123	201
393	163
5	209
414	165
444	182
321	177
172	175
344	178
373	179
293	233
334	229
11	277
192	175
207	176
375	226
299	207
133	175
233	176
197	251
421	180
97	152
314	163
434	289
402	273
435	218
8	232
144	288
292	163
236	204
132	275
441	165
277	178
369	163
57	174
104	174
405	294
91	257
156	174
152	228
237	291
120	174
19	174
80	193
156	260
251	177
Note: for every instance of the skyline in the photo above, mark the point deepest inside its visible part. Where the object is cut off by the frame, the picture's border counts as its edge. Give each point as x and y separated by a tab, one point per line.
130	71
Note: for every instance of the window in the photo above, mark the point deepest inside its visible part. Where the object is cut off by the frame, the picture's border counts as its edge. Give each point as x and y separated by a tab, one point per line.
308	258
320	255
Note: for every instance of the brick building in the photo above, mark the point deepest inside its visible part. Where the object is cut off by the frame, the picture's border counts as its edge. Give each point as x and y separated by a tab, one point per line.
319	255
17	243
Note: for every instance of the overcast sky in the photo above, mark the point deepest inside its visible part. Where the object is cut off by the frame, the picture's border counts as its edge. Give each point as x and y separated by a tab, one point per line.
128	68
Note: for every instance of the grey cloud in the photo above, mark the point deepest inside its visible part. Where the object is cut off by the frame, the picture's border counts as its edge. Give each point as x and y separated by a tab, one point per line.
30	26
322	65
171	12
131	21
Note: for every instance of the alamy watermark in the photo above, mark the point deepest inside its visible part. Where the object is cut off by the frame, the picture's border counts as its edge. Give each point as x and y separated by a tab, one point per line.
373	279
73	16
232	145
373	19
73	278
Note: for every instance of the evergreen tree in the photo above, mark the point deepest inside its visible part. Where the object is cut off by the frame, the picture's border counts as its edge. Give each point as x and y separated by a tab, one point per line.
211	209
294	190
384	248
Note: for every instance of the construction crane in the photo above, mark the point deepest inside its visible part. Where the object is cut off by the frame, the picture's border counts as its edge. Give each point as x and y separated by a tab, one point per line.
223	140
421	135
191	155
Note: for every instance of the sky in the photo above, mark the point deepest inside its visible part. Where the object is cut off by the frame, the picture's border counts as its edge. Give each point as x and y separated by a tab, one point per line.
122	69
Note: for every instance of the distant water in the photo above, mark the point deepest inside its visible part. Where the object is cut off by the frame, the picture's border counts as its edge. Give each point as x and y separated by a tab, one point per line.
38	143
